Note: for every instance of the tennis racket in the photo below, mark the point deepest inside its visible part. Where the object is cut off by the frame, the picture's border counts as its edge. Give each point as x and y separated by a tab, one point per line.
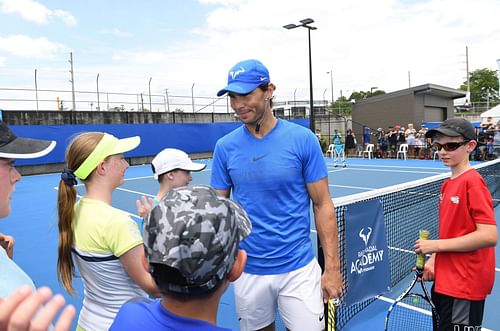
413	311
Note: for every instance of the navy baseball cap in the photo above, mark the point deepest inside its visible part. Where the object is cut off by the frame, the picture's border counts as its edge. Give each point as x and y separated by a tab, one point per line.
245	76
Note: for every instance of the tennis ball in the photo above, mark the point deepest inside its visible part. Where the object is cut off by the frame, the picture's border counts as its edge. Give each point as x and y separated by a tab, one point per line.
415	301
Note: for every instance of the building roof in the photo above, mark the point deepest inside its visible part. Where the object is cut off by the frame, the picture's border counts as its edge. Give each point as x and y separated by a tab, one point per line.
428	89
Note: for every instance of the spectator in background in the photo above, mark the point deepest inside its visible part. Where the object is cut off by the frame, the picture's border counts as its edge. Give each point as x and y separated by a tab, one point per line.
366	136
318	134
489	124
392	136
336	138
401	137
350	142
410	139
21	305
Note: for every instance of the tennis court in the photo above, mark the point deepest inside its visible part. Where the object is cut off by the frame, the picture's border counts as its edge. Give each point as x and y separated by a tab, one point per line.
34	225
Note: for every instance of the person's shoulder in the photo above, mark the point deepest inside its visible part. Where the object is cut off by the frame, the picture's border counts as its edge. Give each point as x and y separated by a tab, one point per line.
133	313
294	128
231	136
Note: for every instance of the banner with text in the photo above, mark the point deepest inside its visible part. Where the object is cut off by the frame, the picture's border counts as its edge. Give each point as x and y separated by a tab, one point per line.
368	272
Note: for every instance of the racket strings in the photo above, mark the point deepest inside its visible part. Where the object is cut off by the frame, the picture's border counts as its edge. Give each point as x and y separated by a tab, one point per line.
413	312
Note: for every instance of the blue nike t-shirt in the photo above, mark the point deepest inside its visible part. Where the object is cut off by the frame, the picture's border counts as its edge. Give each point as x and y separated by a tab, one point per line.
269	178
135	316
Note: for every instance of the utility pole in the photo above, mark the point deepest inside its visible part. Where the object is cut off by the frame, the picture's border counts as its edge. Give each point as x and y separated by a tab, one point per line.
409	79
72	80
168	103
467	69
36	91
98	100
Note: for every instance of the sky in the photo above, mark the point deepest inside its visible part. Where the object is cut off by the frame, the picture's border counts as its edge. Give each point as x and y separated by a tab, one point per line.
188	46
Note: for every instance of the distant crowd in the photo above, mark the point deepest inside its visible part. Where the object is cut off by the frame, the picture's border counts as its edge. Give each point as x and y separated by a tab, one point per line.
387	142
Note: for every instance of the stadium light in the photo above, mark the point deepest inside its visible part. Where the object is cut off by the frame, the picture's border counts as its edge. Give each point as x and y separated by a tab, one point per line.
304	24
331	82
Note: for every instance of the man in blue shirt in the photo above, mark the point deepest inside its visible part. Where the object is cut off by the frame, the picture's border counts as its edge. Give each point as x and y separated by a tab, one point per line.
274	169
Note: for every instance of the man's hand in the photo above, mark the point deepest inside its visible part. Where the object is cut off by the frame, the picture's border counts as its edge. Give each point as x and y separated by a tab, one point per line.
331	284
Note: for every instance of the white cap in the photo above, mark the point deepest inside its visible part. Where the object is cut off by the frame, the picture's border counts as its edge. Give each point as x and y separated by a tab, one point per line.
170	159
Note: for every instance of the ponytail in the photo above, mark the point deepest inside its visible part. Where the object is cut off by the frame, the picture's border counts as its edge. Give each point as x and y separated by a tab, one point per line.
65	209
78	151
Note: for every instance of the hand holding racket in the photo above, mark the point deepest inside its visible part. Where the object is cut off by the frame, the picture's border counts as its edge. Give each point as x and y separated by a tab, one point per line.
411	310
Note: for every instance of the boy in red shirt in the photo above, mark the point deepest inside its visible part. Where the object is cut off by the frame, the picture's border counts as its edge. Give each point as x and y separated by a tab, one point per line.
462	264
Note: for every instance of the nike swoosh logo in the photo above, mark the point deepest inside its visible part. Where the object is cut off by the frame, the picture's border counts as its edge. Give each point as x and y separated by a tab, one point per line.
321	317
258	157
262	78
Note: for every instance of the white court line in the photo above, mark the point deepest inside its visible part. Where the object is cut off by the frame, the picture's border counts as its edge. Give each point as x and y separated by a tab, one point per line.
397	167
401	250
135	192
391	170
420	310
497	269
354	187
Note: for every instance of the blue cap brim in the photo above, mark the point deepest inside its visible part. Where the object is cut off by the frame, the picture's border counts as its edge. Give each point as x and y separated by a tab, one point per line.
240	88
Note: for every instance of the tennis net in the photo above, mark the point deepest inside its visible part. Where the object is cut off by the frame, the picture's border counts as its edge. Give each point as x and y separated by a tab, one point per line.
407	208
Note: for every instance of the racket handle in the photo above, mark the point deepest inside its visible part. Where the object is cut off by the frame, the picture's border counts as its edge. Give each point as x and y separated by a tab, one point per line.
422	234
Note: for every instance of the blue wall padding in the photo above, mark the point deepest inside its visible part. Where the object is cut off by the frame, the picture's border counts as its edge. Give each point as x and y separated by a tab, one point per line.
191	138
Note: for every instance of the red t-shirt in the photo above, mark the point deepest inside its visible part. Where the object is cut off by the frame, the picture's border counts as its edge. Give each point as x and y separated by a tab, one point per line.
465	201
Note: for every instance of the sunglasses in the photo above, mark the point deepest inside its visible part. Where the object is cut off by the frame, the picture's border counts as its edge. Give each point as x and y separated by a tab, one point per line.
449	147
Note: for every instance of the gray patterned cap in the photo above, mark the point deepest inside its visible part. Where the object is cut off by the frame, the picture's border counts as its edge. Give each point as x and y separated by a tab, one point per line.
197	232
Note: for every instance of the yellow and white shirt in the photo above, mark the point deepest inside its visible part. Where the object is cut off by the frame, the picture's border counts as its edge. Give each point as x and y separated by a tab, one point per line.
101	235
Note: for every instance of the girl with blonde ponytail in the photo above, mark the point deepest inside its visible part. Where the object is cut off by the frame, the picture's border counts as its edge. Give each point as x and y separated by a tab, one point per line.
104	242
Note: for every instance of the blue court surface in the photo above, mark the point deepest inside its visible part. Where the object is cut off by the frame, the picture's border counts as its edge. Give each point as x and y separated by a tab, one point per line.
33	223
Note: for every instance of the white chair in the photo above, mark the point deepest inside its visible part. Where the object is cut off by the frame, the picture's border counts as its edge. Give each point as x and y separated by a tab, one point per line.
330	150
369	150
403	149
436	155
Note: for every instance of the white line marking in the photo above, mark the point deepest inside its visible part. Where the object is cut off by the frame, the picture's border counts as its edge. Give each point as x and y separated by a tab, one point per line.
390	170
420	310
401	250
354	187
398	167
135	192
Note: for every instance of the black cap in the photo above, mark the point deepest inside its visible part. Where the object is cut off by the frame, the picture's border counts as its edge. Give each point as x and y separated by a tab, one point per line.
454	127
13	147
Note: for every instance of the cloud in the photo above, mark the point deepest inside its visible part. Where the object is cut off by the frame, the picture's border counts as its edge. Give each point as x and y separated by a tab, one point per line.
117	33
2	61
25	46
35	12
139	57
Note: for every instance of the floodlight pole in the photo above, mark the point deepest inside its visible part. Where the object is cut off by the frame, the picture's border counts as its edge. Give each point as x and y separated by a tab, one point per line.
304	23
331	83
98	100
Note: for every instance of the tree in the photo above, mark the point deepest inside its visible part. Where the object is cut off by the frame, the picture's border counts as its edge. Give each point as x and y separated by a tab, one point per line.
483	85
